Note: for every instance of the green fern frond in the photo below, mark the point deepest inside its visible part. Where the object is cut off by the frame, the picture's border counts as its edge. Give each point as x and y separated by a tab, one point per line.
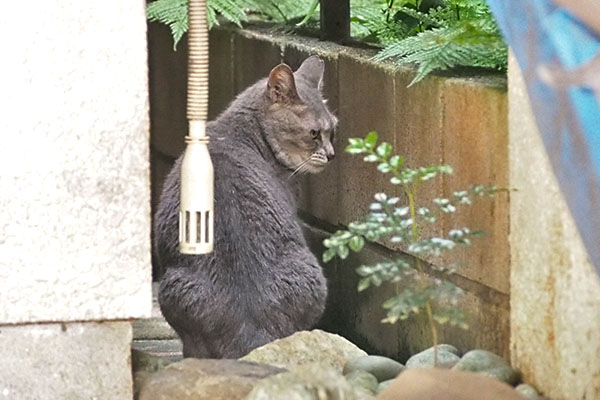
443	48
173	13
229	9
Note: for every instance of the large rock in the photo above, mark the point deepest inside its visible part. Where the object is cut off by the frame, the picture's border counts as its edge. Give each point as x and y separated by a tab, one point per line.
302	348
446	357
306	382
436	383
194	379
382	368
489	364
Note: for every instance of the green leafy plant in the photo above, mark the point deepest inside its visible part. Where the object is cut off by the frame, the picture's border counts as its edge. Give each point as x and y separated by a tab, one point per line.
415	290
174	13
433	34
438	35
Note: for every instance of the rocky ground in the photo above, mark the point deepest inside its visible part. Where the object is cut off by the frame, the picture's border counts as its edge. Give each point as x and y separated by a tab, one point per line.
316	365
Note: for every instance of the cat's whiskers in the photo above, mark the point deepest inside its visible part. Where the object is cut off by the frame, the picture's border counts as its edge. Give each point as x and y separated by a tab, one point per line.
303	165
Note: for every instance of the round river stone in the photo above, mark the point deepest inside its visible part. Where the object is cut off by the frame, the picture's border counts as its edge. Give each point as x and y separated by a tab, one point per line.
382	368
446	358
489	364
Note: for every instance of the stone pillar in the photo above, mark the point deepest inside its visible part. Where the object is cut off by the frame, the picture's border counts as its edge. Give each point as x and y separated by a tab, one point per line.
555	292
74	197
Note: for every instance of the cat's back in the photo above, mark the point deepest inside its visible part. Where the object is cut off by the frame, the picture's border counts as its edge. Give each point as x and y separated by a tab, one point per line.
251	201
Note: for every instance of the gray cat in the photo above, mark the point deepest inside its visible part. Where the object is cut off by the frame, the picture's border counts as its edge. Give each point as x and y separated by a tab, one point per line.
261	282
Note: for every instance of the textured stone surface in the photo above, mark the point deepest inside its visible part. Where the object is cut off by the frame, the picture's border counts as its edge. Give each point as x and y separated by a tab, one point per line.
366	93
435	383
555	301
147	362
488	364
527	391
194	379
362	381
75	199
308	382
306	347
253	59
66	361
382	368
426	358
475	143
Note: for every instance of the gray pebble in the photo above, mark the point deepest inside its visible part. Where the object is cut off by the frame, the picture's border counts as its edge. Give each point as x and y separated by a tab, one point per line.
489	364
527	391
382	368
425	359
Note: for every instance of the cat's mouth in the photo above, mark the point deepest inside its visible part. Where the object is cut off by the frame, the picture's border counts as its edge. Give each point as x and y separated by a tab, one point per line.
312	165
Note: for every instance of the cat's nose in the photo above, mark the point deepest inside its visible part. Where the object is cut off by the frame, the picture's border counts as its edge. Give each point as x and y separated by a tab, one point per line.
329	152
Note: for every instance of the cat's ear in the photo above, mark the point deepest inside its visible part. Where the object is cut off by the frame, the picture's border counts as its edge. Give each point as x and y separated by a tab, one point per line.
281	85
312	71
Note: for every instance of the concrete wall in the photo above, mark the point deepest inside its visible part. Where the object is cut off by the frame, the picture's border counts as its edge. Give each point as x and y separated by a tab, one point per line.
461	121
555	292
74	198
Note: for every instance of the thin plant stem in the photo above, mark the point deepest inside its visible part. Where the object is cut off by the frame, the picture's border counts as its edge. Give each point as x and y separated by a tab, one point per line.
415	237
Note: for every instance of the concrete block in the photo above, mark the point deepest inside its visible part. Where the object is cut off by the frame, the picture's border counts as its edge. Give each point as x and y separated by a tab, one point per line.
160	166
253	59
168	90
419	131
475	143
367	99
220	90
66	361
555	306
74	173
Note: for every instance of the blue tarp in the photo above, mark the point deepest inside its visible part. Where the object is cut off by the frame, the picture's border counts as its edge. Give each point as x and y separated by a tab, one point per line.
560	59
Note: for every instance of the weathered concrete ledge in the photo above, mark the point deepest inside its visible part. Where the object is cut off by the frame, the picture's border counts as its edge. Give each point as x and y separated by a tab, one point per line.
460	121
74	360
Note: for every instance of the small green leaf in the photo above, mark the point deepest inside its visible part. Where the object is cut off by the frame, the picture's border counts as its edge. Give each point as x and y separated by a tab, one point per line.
375	206
343	252
371	140
354	150
363	284
328	255
384	167
381	197
396	162
356	243
371	158
446	169
384	149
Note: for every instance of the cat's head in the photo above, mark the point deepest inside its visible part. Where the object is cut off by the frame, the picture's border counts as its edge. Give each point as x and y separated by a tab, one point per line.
298	126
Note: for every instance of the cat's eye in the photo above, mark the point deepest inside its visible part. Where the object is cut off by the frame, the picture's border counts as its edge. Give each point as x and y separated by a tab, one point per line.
314	134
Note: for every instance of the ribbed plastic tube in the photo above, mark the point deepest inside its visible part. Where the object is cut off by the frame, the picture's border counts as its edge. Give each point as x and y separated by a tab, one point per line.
196	203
